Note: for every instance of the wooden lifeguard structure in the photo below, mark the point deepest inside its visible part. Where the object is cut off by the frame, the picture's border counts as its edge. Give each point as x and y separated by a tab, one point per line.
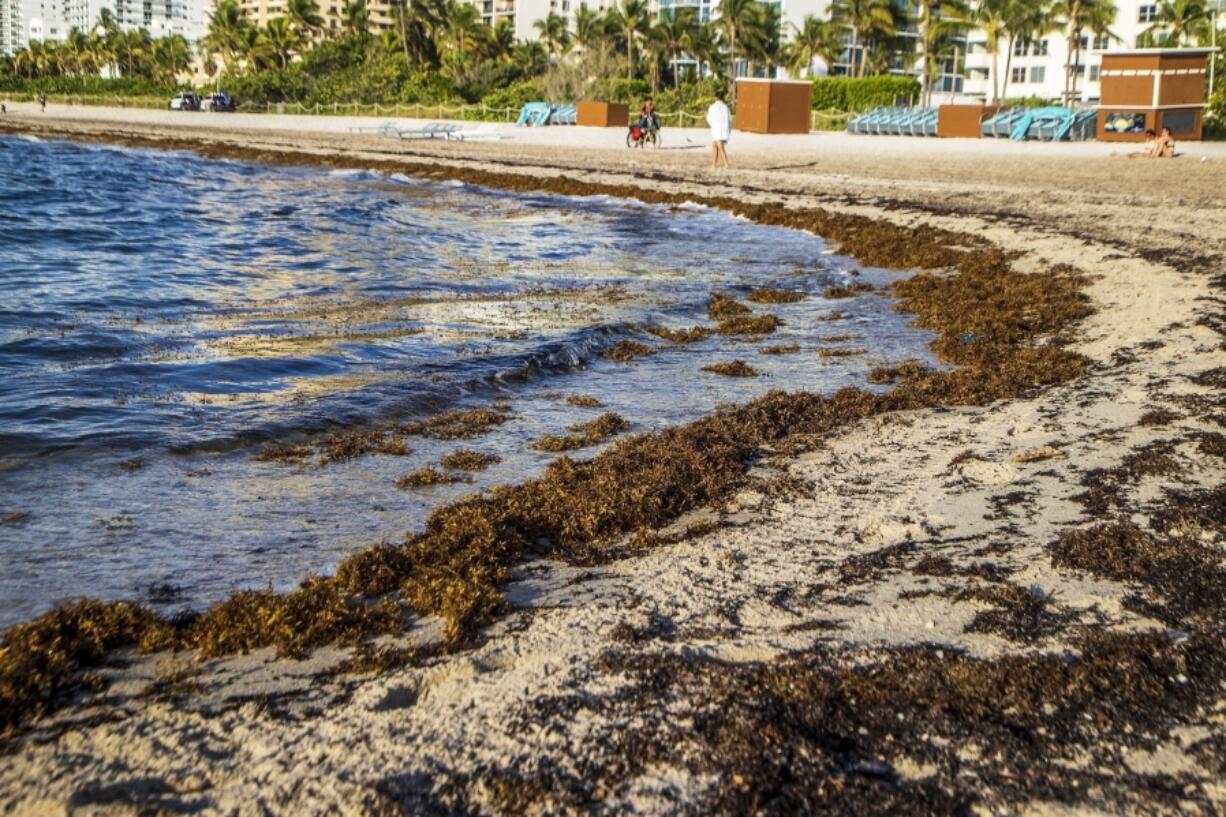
1152	88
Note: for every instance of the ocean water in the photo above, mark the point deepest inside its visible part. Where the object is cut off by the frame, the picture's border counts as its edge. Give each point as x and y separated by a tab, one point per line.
163	317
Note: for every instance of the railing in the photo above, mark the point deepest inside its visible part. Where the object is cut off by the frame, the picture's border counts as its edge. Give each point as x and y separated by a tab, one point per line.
819	121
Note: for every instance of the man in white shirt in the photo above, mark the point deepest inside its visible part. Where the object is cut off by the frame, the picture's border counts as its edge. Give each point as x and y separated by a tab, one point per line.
719	118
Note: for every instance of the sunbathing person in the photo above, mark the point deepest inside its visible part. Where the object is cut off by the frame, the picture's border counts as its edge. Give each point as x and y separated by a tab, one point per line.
1150	138
1163	147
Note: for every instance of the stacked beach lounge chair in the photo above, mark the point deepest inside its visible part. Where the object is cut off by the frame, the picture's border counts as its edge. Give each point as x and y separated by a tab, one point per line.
537	114
895	122
1051	124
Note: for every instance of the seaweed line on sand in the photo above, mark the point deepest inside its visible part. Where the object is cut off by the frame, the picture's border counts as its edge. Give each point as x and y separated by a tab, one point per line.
575	510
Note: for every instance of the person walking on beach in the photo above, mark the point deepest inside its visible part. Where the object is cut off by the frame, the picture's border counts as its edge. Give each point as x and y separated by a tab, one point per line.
719	118
42	103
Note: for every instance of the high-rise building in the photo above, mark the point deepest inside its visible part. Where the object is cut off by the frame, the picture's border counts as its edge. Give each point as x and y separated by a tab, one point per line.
382	13
24	20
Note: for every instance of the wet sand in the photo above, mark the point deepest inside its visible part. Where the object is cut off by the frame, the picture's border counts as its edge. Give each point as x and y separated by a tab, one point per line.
920	612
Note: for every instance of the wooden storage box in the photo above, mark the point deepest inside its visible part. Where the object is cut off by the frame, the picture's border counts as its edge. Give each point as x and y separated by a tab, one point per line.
603	115
963	121
773	106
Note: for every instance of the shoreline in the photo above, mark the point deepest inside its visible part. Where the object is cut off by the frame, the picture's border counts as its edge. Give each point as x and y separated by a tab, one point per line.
982	617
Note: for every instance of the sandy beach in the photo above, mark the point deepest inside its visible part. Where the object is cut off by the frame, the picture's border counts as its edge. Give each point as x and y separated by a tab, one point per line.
1006	606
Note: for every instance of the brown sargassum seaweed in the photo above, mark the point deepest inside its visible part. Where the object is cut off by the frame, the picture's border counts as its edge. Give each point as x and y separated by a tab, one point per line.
768	295
584	434
735	368
575	510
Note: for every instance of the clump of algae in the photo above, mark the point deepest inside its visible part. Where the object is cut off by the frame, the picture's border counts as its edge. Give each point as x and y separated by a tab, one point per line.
779	349
841	351
735	368
584	401
583	434
906	370
849	291
767	295
690	335
457	425
748	325
426	476
627	350
721	307
466	459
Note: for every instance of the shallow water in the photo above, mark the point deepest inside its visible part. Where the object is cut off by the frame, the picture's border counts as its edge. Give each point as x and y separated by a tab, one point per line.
162	317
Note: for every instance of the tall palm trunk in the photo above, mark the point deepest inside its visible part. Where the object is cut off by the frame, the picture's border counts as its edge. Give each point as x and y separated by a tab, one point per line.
996	73
732	60
404	32
1004	83
630	54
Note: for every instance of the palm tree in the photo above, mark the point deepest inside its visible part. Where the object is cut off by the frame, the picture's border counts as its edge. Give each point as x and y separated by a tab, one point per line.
813	39
355	19
502	39
992	18
172	56
763	40
1077	17
461	19
225	35
554	33
735	17
1179	22
1024	20
865	19
589	28
280	39
304	17
702	43
632	20
672	33
939	23
531	57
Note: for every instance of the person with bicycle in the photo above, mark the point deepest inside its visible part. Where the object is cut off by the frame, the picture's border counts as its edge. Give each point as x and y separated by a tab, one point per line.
649	122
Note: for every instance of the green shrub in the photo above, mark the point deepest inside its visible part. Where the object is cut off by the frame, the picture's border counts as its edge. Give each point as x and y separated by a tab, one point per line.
515	96
627	91
862	93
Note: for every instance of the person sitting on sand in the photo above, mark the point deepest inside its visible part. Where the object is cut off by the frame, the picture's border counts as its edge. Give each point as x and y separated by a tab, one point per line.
1163	147
1150	136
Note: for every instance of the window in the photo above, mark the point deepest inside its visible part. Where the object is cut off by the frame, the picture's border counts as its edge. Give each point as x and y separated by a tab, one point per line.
1038	73
1147	14
1180	121
1019	48
1018	74
1094	71
1101	42
1040	48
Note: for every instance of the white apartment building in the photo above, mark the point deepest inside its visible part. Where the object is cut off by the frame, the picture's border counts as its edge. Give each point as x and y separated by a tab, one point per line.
24	21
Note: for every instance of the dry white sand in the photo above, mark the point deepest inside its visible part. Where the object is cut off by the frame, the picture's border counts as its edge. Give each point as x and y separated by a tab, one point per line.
263	736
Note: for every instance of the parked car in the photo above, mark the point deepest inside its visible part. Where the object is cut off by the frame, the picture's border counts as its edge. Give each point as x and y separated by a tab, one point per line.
219	102
186	101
